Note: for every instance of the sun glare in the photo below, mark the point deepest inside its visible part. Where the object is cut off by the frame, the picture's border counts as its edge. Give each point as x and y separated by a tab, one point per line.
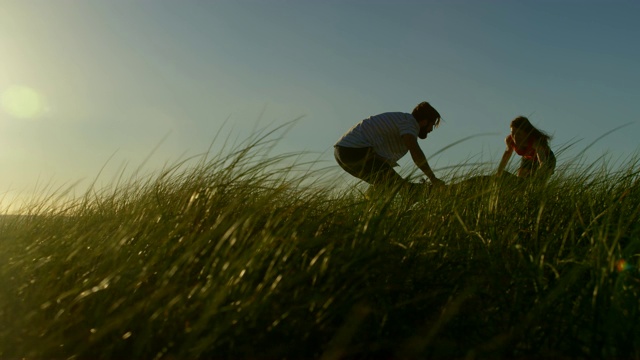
22	102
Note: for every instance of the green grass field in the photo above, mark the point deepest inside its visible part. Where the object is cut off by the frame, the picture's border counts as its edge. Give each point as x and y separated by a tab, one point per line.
237	257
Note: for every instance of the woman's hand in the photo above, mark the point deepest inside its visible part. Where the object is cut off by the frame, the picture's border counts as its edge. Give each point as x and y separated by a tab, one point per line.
437	182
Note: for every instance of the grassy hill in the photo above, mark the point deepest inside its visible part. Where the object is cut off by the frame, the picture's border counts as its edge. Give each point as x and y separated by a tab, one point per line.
236	257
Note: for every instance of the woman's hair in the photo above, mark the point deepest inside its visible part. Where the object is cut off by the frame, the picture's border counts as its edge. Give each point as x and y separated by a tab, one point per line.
522	123
425	111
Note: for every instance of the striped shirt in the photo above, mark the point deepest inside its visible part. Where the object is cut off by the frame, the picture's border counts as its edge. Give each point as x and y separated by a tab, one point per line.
384	133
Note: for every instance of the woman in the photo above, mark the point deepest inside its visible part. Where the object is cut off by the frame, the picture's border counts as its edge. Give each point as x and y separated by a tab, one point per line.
533	146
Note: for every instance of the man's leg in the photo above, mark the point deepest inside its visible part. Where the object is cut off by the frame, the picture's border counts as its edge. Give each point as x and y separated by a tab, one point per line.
365	164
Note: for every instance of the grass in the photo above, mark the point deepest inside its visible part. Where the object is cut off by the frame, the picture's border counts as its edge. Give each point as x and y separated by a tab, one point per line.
239	257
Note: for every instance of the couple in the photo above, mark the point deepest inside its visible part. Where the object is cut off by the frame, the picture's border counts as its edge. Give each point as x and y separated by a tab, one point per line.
371	148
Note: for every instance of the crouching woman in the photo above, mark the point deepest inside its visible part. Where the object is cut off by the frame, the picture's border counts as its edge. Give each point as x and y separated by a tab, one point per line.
537	159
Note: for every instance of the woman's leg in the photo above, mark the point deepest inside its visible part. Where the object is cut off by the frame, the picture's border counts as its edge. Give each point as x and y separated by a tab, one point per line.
550	164
532	167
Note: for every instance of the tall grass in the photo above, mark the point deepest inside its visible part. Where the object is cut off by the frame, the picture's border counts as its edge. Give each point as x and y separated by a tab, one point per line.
238	256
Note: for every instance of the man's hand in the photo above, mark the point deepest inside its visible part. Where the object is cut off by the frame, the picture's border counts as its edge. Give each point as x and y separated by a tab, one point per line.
419	159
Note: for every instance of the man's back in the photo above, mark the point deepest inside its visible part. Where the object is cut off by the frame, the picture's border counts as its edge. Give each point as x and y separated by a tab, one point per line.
383	133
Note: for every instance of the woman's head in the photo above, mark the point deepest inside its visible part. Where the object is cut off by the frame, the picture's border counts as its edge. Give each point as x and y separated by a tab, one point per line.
521	130
424	113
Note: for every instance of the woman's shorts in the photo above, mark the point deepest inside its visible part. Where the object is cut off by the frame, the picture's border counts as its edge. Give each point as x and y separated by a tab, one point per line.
532	165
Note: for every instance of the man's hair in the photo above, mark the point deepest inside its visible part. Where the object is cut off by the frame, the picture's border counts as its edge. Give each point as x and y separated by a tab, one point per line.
424	111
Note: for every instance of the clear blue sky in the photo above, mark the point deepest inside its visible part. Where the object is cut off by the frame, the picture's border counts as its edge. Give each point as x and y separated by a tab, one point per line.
81	80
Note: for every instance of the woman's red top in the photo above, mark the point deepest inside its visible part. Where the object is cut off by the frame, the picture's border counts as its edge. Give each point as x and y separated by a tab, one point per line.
527	151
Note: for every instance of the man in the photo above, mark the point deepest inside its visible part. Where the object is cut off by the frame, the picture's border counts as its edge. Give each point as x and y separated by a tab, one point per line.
371	148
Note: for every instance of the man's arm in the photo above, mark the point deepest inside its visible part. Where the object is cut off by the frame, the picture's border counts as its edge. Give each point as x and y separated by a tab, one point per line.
419	158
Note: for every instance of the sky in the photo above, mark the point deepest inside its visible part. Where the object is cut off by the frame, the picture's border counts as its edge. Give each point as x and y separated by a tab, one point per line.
91	88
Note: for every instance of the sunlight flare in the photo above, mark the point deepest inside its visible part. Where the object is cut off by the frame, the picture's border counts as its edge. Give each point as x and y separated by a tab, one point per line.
22	102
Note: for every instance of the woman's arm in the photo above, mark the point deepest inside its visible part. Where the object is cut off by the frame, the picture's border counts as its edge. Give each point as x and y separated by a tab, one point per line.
542	152
505	157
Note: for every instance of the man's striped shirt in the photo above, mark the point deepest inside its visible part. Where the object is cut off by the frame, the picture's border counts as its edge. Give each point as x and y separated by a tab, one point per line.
384	133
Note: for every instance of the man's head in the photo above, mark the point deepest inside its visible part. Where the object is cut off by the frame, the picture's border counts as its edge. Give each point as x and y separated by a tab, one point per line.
427	117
